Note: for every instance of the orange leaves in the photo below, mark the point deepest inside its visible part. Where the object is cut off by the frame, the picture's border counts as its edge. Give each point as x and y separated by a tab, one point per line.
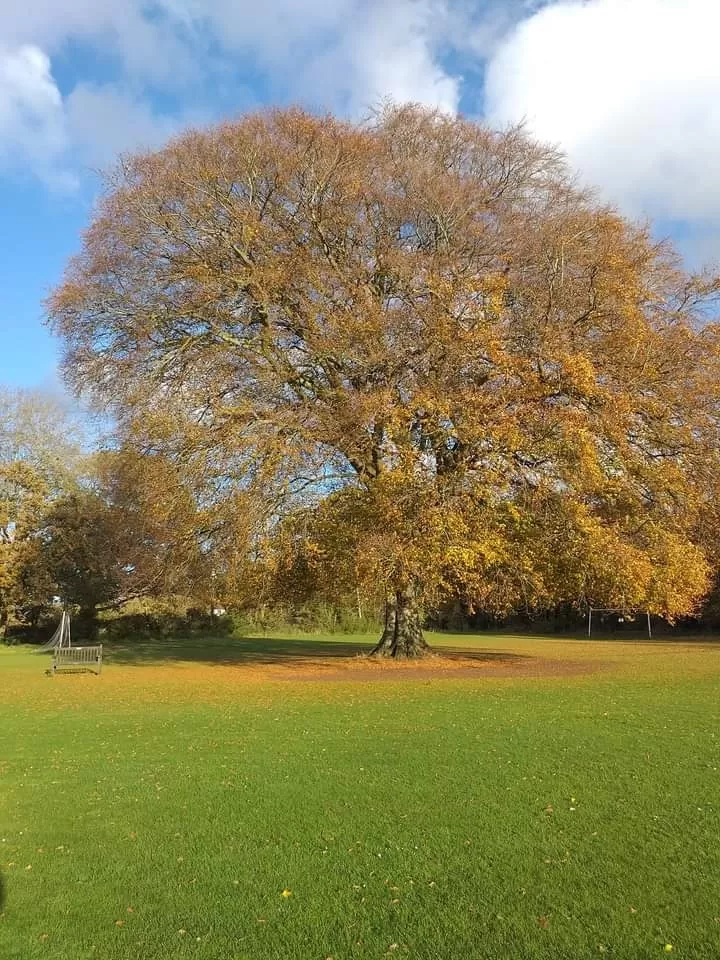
578	375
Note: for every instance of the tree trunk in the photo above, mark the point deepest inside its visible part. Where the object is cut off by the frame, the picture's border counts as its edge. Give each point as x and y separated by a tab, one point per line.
86	624
402	637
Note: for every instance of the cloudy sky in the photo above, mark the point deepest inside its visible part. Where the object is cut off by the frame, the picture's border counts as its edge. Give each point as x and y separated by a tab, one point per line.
629	88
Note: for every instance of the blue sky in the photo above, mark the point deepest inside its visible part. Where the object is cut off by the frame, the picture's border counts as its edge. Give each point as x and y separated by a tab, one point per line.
630	89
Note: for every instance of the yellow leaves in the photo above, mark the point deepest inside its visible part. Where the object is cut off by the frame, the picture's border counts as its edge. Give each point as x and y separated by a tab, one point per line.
286	893
681	574
475	553
579	375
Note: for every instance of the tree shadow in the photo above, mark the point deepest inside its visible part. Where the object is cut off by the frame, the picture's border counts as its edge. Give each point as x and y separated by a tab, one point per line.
637	638
226	651
480	655
269	651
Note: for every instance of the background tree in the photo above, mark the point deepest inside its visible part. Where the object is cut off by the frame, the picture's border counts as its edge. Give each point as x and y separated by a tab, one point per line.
41	457
77	552
493	384
129	531
161	532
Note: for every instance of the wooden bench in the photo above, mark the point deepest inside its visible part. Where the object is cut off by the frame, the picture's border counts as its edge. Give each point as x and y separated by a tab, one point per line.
77	658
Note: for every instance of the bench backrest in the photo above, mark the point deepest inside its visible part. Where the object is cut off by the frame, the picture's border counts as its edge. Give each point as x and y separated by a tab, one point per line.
77	656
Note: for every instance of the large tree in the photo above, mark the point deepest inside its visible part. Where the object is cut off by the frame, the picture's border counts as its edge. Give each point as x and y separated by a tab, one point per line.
482	380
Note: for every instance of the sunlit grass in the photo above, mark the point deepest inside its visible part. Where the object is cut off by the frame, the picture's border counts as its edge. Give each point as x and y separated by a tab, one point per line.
203	802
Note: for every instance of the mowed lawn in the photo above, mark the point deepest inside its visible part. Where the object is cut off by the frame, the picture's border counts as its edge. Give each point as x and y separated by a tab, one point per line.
241	800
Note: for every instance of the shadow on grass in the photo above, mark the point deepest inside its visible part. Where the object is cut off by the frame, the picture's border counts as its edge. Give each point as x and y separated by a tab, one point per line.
639	639
228	651
267	651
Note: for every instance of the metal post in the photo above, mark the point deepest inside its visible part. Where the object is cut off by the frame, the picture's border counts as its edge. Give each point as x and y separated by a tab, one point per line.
589	620
649	627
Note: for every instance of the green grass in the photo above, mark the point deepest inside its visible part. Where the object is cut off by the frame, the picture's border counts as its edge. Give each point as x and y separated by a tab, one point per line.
160	810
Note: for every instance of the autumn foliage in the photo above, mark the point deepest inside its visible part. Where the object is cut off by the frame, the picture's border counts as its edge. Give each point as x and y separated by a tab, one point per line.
413	354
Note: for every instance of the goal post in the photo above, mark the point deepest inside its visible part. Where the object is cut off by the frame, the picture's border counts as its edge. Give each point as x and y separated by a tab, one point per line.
622	615
61	638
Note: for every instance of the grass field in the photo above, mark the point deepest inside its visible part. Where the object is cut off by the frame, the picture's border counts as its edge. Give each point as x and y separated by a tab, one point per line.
261	799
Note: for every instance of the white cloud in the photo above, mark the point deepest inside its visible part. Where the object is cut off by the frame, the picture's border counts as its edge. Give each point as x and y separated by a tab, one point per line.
51	138
104	121
630	89
32	128
375	47
337	54
147	46
481	35
386	50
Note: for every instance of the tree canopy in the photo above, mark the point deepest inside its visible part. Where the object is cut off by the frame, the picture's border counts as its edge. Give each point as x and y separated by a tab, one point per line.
418	348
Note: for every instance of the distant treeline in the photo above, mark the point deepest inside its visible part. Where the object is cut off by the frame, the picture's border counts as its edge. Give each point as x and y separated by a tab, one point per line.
149	619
